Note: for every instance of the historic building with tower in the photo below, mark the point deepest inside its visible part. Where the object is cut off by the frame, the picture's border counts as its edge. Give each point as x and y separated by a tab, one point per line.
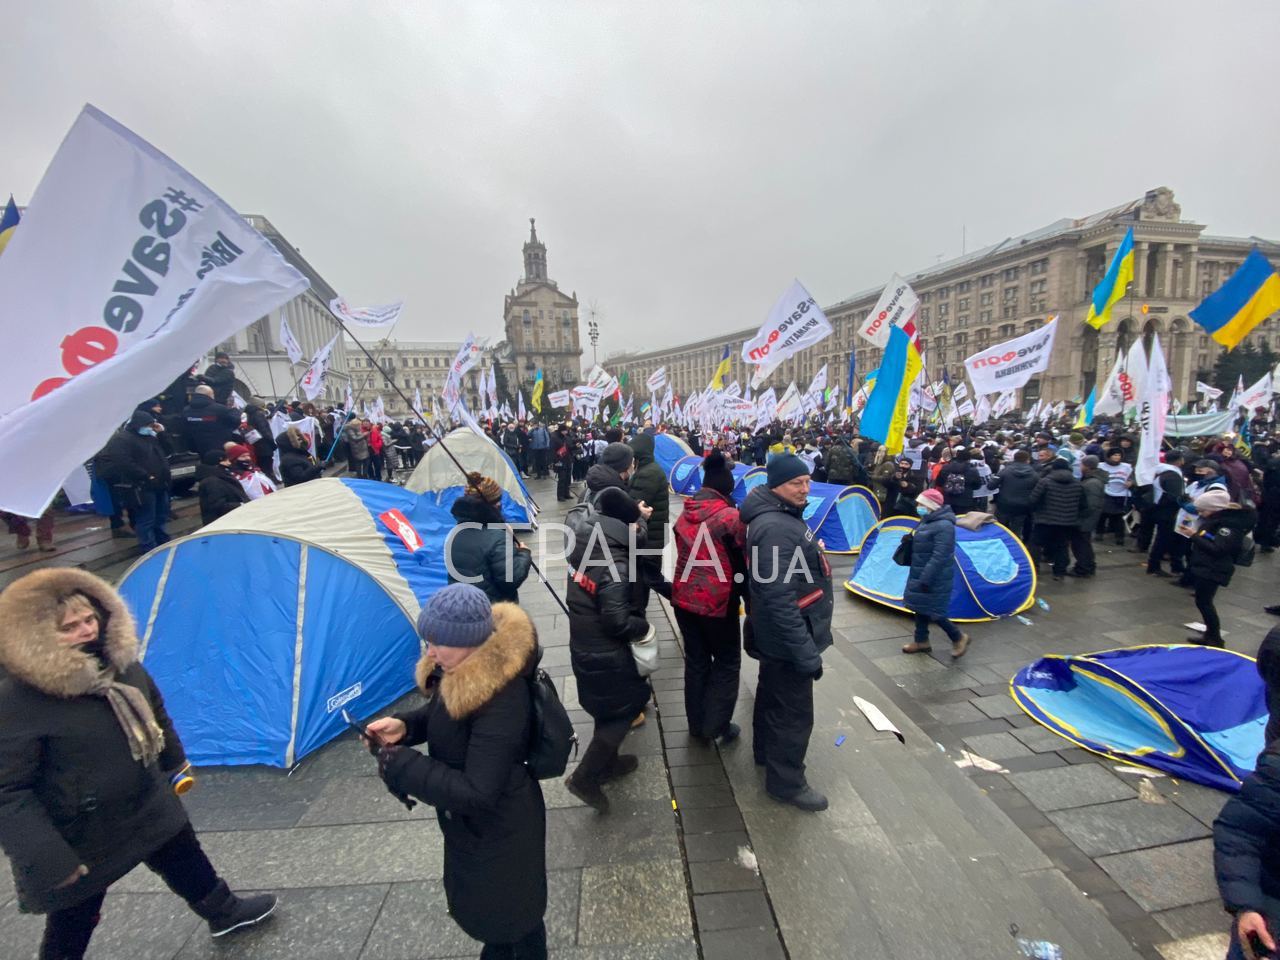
1013	287
541	325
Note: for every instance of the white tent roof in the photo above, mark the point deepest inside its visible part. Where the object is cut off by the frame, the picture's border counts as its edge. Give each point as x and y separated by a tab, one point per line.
436	471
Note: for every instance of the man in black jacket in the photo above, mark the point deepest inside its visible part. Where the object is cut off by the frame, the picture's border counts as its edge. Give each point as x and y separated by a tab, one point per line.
221	376
1214	551
134	465
1014	485
958	480
220	491
648	485
789	626
1167	489
209	425
1057	504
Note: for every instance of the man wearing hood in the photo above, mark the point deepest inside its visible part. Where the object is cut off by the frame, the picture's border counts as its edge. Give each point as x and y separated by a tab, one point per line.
220	491
648	485
134	465
933	571
1057	504
790	625
1246	835
1214	550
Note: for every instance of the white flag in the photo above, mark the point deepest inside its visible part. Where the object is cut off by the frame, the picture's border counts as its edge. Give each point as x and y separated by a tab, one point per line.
366	316
520	405
1110	399
983	412
1236	394
1132	379
1009	365
896	306
657	380
1208	392
790	404
559	398
289	341
350	403
795	323
237	401
417	400
1152	413
1258	395
818	386
125	268
312	382
1004	403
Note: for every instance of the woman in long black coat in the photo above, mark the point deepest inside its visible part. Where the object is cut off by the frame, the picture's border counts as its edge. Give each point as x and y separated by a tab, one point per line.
87	753
477	728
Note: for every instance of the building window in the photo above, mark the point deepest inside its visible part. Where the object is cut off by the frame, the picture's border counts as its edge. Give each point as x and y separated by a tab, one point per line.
1010	273
943	310
940	326
1039	286
964	286
1008	311
924	314
1039	266
984	316
987	298
962	321
926	297
1010	294
987	280
527	319
944	292
963	304
1037	306
1006	330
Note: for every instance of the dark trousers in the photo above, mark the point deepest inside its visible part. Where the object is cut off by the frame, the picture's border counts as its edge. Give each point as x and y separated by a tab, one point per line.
1164	536
377	463
362	468
601	752
532	946
1146	529
712	659
540	459
1053	539
564	474
1205	592
1016	520
781	725
182	865
1082	550
150	517
1178	551
1267	533
922	628
1113	522
264	453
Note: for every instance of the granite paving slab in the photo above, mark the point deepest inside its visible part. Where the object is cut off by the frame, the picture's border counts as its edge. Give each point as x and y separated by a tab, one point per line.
677	949
997	746
135	926
342	800
1164	877
1126	825
1071	786
580	836
631	903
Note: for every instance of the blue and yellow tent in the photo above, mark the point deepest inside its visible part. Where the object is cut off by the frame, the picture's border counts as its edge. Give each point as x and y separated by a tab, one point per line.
667	449
994	574
1198	713
840	516
685	476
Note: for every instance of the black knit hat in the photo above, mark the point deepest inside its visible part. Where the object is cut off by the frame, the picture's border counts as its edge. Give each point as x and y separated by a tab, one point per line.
716	474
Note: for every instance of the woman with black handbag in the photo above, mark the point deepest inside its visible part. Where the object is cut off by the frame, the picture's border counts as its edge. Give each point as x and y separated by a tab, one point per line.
933	570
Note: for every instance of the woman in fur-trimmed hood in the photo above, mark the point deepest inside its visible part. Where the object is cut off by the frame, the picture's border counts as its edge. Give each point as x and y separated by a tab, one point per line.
86	756
477	728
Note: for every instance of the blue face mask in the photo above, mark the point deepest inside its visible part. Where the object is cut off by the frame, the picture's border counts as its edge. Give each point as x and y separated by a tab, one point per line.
147	432
923	511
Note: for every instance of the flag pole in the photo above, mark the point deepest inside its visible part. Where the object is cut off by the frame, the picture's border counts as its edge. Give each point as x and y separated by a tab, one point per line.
439	438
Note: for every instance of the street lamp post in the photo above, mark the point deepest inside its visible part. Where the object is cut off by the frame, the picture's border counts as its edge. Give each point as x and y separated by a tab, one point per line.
593	334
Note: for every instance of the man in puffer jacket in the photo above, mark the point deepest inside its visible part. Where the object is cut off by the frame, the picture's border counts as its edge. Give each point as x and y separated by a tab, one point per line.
602	626
296	465
1215	548
1057	503
710	566
220	491
1014	485
1246	835
790	626
649	486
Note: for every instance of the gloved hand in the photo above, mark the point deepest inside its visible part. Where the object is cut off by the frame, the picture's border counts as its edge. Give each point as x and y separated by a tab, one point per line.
392	759
817	674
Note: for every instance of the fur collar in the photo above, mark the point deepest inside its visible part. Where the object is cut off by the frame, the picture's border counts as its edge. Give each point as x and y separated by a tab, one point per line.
495	663
29	648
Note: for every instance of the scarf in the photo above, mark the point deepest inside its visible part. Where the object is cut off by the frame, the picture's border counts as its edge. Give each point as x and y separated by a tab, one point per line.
133	713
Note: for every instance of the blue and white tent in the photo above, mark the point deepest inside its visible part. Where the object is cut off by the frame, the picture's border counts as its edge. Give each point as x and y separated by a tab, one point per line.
1195	712
260	627
436	474
685	476
994	574
667	449
840	516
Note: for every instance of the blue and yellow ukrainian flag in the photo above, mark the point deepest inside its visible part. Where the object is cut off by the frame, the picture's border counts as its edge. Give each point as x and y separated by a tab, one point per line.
8	222
885	416
1249	296
722	372
1114	284
536	397
1084	413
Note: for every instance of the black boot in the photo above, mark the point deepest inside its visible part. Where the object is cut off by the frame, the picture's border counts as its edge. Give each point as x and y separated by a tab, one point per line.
225	912
623	764
592	770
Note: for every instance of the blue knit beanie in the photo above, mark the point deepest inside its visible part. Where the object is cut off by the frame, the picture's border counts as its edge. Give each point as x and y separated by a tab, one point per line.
784	467
457	616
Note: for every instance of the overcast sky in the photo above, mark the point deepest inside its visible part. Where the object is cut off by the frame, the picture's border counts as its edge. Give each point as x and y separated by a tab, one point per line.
684	160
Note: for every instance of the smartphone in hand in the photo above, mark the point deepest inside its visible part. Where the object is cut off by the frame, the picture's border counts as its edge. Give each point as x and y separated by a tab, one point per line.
360	729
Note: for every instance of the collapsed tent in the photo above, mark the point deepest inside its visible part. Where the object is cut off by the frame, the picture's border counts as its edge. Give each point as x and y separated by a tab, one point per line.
667	449
994	573
1195	712
839	516
438	475
685	476
260	627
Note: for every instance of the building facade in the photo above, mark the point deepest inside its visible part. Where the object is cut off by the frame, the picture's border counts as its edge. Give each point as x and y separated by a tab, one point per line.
1013	287
421	365
262	364
541	325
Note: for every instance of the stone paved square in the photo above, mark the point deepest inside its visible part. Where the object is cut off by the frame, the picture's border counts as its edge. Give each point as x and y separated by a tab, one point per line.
1126	825
1065	787
1165	877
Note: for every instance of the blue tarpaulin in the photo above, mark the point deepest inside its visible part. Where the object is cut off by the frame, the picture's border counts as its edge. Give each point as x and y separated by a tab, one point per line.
1195	712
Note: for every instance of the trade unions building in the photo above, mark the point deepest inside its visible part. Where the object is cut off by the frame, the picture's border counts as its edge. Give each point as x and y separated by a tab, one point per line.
1011	288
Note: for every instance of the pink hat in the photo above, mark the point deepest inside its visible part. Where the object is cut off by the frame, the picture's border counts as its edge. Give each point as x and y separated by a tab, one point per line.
930	498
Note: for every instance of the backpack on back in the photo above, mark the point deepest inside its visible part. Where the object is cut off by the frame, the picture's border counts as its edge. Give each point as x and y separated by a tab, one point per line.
551	734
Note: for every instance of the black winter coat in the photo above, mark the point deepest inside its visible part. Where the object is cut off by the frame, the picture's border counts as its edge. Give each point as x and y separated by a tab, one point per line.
1217	543
130	459
209	425
789	617
484	553
933	564
649	483
1059	498
1246	842
70	792
1095	496
221	379
220	491
476	725
1016	482
958	480
296	466
258	420
601	620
